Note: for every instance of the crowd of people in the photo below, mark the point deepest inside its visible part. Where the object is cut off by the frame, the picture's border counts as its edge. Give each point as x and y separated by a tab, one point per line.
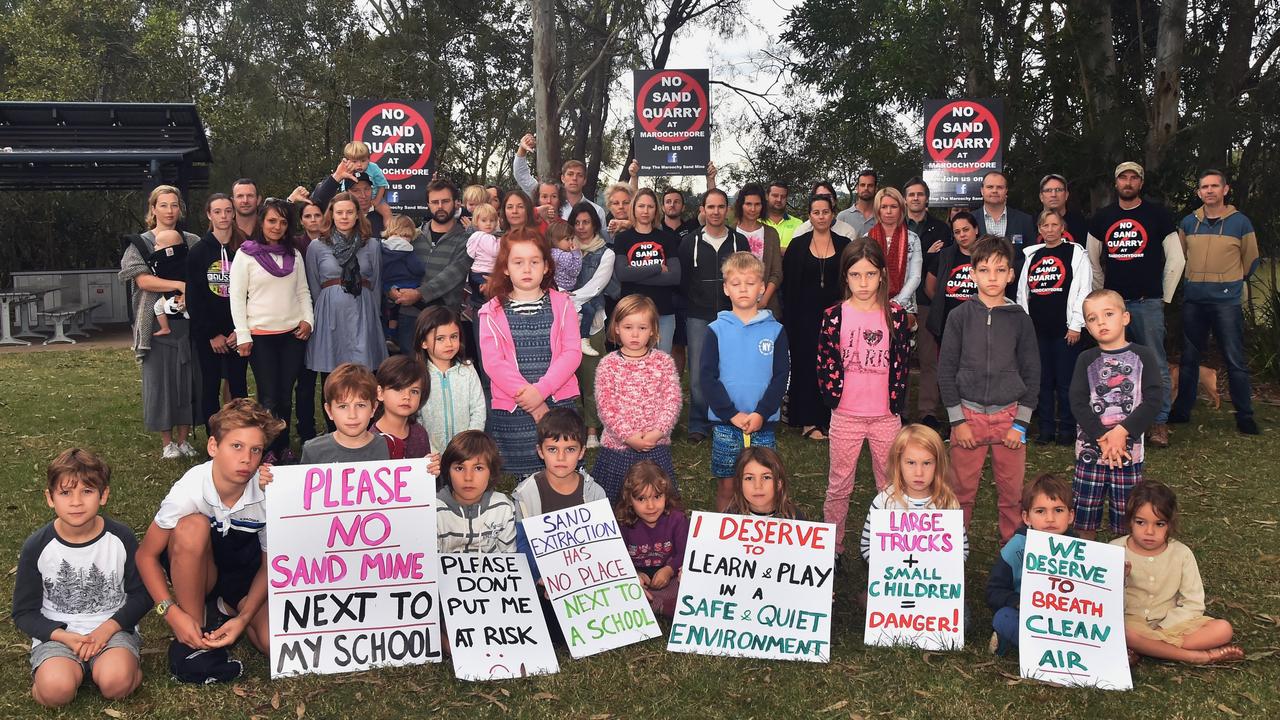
512	331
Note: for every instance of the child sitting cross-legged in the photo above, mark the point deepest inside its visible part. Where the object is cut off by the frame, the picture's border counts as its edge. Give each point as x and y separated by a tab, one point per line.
655	529
78	594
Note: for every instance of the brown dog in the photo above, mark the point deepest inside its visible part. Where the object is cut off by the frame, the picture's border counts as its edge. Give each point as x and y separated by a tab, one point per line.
1208	385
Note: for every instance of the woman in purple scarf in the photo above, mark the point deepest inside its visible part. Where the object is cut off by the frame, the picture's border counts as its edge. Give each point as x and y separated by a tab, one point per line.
271	310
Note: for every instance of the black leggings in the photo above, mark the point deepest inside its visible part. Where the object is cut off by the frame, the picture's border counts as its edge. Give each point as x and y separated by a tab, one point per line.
276	360
214	367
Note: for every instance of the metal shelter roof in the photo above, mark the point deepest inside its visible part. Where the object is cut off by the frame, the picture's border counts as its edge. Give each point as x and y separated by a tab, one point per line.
102	146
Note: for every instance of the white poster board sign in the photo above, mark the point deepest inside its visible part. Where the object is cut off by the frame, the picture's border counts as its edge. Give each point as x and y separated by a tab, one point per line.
589	578
1072	613
351	573
493	617
915	583
756	587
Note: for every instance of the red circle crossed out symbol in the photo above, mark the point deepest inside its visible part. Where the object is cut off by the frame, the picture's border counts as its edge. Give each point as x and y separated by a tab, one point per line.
1038	275
651	124
1126	239
980	114
411	118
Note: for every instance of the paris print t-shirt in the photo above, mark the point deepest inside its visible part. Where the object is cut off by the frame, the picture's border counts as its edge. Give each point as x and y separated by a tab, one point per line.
864	349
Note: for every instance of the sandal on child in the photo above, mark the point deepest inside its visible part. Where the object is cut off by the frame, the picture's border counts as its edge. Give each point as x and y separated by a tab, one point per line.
1225	654
815	433
1134	657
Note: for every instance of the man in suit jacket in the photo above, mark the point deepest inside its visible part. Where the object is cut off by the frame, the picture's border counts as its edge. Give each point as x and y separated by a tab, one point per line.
997	218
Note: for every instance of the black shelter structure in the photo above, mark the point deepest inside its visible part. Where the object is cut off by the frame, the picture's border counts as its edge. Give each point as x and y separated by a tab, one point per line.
102	146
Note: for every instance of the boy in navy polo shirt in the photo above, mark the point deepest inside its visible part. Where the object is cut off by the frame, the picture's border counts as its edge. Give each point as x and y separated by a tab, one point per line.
745	363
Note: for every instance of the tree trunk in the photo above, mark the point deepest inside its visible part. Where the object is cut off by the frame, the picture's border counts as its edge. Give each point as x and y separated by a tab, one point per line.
1092	33
544	70
1222	118
977	74
1171	36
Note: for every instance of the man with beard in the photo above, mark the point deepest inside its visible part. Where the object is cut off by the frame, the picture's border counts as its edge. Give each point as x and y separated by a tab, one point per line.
1135	250
1054	196
244	196
777	216
442	245
861	215
358	184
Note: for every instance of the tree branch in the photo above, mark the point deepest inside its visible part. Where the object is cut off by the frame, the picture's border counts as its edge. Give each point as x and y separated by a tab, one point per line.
573	87
744	93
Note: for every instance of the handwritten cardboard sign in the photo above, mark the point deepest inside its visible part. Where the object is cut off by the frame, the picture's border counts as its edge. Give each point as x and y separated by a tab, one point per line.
589	578
756	587
1072	612
495	623
915	584
351	575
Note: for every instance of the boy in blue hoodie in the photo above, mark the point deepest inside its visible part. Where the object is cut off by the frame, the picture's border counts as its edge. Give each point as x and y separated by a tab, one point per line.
744	366
1046	506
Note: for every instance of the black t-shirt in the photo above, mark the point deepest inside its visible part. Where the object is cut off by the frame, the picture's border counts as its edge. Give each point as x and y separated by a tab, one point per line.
929	230
1133	248
435	236
1048	285
955	283
643	252
687	228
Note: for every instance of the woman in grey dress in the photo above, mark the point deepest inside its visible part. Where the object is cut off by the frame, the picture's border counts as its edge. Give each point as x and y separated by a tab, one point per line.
344	271
168	371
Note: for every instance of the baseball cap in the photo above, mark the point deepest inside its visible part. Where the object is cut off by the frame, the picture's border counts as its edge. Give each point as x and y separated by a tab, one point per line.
1053	176
1127	166
363	177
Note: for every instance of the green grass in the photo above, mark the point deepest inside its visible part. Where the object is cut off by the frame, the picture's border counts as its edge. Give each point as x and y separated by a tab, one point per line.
1226	484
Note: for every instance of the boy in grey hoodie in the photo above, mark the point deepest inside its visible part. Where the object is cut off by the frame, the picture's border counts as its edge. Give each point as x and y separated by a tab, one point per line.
989	379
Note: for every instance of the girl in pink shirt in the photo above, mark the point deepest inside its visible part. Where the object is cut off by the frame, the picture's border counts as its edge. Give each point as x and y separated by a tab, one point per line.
863	343
637	397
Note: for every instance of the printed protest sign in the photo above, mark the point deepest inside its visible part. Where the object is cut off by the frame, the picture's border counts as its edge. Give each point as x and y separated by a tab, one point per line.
756	587
1072	612
963	140
399	135
672	121
589	578
915	584
351	575
493	617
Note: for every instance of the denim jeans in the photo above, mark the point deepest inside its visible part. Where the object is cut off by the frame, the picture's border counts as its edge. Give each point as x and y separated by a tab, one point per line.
1227	323
696	333
1057	365
1146	327
667	334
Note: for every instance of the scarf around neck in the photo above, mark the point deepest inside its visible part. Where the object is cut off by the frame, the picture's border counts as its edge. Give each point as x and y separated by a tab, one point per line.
595	243
895	254
344	251
276	259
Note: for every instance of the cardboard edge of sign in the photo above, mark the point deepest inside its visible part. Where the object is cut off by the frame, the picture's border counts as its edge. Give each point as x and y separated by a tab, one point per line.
691	650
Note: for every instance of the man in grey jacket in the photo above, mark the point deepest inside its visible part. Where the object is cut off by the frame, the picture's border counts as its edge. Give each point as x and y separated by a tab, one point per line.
442	245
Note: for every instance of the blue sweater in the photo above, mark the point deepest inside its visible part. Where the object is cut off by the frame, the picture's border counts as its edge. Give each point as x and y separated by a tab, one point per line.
745	366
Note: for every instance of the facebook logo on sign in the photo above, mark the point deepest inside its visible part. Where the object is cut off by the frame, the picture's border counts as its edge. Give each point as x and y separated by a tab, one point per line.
393	196
673	157
961	188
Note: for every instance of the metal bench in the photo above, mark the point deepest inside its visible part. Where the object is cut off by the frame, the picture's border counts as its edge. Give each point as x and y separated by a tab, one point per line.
59	316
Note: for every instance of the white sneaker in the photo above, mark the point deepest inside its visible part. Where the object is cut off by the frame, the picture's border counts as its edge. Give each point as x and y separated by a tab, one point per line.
593	441
186	449
588	350
171	452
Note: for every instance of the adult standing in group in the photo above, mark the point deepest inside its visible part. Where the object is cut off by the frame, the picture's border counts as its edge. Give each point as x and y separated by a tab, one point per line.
517	212
952	281
702	284
311	218
934	236
359	187
595	278
838	226
901	247
998	219
493	194
272	313
619	196
244	194
209	305
442	246
1221	251
344	270
1054	196
778	218
673	219
646	262
547	204
811	284
573	178
1135	250
862	214
765	244
168	381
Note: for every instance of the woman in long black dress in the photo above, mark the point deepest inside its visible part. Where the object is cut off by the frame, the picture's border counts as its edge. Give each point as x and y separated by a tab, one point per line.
811	283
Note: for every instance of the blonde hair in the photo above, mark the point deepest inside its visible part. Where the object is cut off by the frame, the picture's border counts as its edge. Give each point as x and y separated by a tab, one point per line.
484	211
1044	214
941	496
890	192
475	194
557	230
619	188
634	305
742	262
356	150
402	226
159	191
1104	294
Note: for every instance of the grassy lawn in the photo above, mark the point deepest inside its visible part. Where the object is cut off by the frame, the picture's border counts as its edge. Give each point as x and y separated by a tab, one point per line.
1226	485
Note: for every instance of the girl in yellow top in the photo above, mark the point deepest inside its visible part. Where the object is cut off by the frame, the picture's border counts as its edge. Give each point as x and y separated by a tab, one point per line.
1163	595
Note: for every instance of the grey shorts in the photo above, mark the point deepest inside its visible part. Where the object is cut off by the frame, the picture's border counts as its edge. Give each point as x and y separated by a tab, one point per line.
128	639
